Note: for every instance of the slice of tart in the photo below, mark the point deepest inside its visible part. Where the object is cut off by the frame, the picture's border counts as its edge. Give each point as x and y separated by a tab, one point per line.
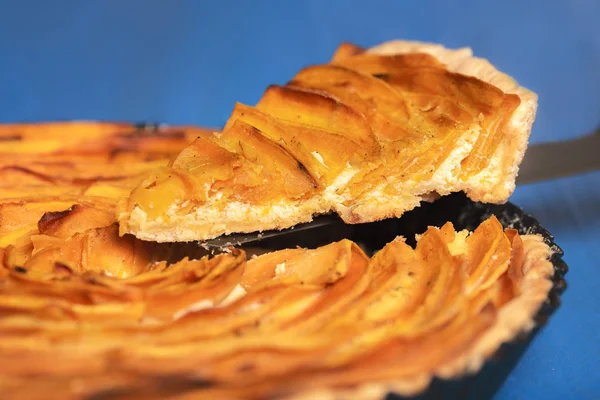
369	136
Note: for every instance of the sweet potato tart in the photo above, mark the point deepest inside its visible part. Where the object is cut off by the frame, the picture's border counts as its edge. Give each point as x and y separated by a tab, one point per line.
86	313
369	135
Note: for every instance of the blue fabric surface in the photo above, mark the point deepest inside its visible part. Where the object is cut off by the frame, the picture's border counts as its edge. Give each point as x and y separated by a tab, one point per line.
189	61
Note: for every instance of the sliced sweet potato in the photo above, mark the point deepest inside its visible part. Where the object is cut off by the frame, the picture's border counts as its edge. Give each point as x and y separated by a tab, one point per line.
280	167
320	110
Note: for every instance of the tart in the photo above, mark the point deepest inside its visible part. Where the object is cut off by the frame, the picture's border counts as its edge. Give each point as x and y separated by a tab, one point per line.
369	135
86	313
89	311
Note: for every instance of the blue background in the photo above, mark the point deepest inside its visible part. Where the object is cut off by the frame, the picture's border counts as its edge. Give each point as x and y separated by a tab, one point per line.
187	62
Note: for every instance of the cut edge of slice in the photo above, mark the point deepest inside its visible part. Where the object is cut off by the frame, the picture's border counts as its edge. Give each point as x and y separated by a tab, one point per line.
495	183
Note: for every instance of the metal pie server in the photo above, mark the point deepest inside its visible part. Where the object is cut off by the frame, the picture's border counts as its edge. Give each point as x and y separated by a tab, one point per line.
542	162
552	160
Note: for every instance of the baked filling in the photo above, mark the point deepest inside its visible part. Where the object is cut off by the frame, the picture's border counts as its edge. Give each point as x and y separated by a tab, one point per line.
85	312
369	136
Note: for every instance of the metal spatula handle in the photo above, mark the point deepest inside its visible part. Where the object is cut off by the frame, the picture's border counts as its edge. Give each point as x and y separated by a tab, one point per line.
552	160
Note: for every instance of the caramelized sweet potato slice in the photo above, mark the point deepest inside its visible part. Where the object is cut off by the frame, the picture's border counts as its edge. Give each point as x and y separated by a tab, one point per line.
281	169
263	269
336	150
20	218
488	257
202	283
515	270
161	190
385	110
471	93
392	279
319	110
76	219
482	100
346	50
333	152
444	293
206	160
381	95
50	137
410	160
277	132
324	154
381	65
493	135
100	250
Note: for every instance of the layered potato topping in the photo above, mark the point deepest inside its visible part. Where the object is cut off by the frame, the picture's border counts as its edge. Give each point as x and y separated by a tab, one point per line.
368	135
59	186
88	314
